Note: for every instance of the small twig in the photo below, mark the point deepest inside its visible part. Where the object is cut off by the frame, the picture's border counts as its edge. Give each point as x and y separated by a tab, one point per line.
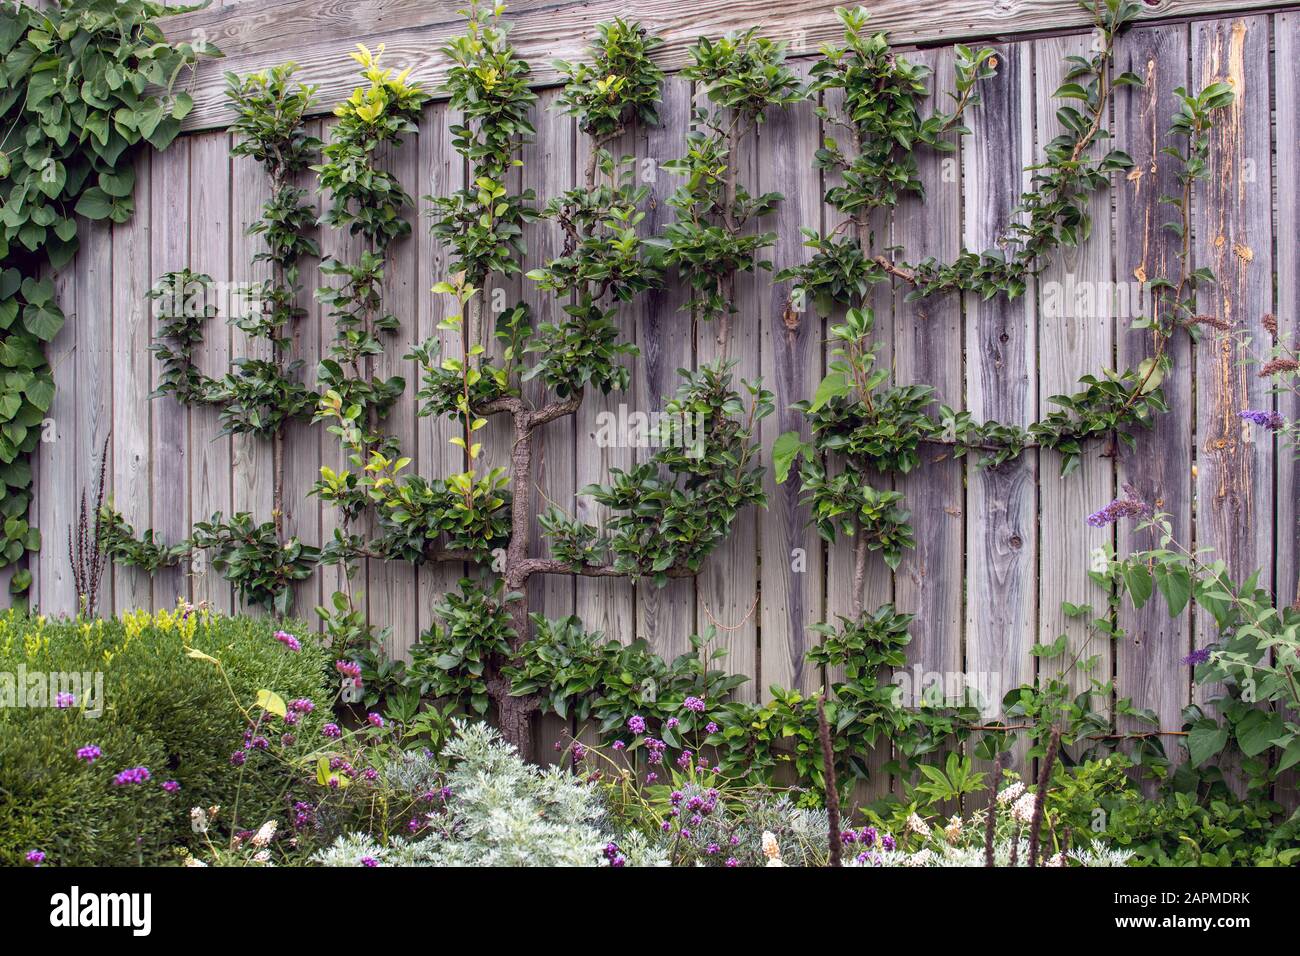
1040	798
990	821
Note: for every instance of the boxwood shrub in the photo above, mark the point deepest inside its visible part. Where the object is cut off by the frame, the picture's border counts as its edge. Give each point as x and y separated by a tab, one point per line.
163	708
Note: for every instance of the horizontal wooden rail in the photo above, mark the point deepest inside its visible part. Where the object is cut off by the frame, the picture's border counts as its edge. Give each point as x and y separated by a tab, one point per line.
318	35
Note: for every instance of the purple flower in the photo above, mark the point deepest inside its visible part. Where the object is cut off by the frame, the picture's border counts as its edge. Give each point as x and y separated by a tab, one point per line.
89	754
1270	420
1198	656
286	740
651	777
133	775
712	848
371	773
375	720
732	862
288	640
302	705
694	703
349	669
237	758
666	826
579	751
35	857
710	728
1127	507
171	786
618	745
673	722
655	750
331	730
887	842
64	700
636	724
369	861
260	743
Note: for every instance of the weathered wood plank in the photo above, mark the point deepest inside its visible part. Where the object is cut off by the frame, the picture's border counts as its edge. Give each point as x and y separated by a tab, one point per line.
1234	482
94	376
927	350
1148	668
57	503
549	170
665	616
252	459
392	584
129	468
793	566
253	34
1001	342
210	246
301	441
441	173
1076	329
726	589
1286	38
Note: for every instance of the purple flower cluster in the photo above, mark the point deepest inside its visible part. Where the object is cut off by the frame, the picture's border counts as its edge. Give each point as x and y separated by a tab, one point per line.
636	724
349	669
614	855
655	750
237	758
133	775
89	754
1270	420
35	857
64	700
375	720
288	640
694	703
171	786
301	706
1127	507
331	730
1198	656
304	815
369	861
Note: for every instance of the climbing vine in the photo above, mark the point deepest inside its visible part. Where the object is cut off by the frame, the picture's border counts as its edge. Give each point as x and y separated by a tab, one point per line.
85	82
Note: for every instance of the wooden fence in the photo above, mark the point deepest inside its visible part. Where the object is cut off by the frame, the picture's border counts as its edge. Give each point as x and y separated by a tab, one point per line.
998	550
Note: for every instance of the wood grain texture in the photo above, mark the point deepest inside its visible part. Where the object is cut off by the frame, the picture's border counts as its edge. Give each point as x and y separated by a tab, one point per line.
793	559
441	173
1233	212
1147	667
665	616
928	337
253	34
131	360
252	459
56	505
169	251
210	247
1077	338
1286	38
1001	345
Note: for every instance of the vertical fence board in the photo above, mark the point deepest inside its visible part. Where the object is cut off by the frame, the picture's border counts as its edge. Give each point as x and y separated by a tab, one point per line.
1148	669
57	501
1286	35
927	335
1000	348
210	249
1233	214
441	173
1076	329
665	616
791	362
129	471
169	215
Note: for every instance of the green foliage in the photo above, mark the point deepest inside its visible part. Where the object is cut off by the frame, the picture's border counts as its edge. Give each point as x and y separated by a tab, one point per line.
671	511
743	76
620	85
253	558
83	82
455	658
163	709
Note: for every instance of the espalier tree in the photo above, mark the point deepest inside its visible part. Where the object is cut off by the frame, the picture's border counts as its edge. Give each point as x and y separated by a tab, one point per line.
84	82
667	514
856	416
258	397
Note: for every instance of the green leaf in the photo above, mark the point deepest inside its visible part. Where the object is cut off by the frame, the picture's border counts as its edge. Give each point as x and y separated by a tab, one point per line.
271	702
833	386
1205	740
785	450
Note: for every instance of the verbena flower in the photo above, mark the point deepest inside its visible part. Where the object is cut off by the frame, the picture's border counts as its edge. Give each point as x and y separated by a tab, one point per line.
89	754
636	724
331	730
288	640
369	861
133	775
171	786
375	720
695	704
64	700
35	857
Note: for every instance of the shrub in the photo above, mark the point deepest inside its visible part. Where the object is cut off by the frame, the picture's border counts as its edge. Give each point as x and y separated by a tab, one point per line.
177	715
